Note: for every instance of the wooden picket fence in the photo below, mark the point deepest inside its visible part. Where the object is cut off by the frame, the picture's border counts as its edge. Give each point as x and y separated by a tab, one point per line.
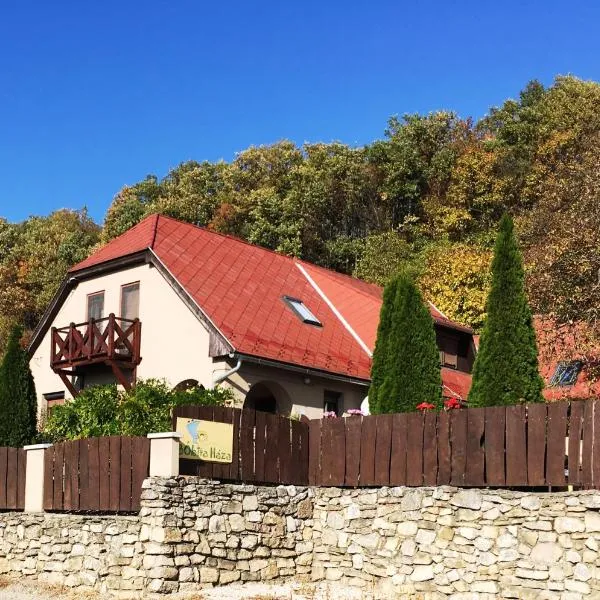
267	448
96	474
12	478
535	445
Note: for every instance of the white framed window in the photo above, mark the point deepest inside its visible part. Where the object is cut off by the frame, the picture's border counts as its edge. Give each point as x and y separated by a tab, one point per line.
130	301
302	311
95	305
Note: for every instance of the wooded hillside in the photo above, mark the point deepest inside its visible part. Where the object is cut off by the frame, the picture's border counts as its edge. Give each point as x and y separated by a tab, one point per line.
428	196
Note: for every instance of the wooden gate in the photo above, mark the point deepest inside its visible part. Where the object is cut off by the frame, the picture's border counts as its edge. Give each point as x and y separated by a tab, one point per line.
96	474
267	448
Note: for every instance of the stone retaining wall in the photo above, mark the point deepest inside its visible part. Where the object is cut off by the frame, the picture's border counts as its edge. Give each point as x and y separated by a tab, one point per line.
397	542
459	544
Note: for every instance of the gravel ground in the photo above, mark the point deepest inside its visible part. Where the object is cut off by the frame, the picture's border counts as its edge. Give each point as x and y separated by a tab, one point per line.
251	591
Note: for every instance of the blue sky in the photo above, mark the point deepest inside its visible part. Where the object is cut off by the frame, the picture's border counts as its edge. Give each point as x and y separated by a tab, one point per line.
97	95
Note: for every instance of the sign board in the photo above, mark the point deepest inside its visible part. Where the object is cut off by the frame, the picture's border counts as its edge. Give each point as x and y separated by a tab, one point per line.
205	440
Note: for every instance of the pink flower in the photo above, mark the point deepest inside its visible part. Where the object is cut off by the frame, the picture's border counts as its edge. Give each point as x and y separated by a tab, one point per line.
355	411
329	415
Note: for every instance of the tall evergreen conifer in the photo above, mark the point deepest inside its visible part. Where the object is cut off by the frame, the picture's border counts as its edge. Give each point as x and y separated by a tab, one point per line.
406	362
18	403
506	368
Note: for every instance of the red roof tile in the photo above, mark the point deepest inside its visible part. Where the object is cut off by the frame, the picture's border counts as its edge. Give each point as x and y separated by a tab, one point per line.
240	287
567	342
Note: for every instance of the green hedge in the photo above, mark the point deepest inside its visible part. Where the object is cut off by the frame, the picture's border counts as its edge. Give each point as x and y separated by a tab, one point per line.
105	410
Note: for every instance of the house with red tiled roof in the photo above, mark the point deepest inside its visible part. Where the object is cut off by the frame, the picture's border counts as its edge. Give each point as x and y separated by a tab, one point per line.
171	300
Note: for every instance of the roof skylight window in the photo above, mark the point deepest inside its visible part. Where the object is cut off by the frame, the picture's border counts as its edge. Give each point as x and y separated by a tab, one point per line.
302	311
566	373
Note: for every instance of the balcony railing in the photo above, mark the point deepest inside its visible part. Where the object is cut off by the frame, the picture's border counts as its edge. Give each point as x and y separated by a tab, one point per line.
112	339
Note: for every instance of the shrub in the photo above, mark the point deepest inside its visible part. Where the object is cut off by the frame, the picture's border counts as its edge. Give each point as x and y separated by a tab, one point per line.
18	401
104	410
406	361
506	366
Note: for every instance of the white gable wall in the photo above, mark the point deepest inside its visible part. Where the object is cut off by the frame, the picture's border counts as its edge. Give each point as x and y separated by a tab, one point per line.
174	343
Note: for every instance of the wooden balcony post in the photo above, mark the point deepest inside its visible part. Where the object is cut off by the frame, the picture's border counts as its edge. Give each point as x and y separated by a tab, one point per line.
53	350
164	454
111	335
34	477
91	344
137	332
71	337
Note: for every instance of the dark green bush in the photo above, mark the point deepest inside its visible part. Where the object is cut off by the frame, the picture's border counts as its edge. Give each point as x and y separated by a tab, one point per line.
105	410
18	401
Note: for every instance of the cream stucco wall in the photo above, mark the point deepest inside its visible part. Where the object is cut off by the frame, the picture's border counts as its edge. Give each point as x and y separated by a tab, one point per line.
174	343
296	393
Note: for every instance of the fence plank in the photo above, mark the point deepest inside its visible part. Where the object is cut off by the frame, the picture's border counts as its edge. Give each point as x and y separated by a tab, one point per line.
338	451
248	420
59	465
271	458
22	466
367	451
94	481
588	444
49	478
495	427
430	452
516	446
475	467
326	451
140	468
73	468
315	452
114	445
398	451
3	475
458	446
536	443
104	474
353	426
261	442
299	458
596	447
67	462
284	443
125	482
304	452
443	448
84	481
11	478
414	449
383	448
575	431
555	444
234	467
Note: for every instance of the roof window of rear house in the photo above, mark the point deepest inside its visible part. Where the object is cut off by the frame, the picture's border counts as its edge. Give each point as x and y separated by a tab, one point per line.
566	373
302	311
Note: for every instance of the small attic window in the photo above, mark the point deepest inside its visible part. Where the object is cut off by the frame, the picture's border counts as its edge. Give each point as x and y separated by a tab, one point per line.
302	311
566	373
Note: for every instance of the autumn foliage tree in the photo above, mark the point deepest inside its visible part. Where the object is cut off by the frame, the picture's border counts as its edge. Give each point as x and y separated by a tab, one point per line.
506	367
406	362
427	196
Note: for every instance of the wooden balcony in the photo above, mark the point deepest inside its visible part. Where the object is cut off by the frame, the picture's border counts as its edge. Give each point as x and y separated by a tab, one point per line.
112	341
